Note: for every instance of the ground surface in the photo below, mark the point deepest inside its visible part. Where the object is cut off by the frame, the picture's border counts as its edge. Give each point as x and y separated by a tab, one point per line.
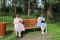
34	36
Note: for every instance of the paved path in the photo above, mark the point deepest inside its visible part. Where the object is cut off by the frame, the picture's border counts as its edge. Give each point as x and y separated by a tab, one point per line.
35	36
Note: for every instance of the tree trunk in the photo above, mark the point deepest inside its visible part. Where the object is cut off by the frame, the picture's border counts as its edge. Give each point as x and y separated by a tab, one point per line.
4	6
49	14
28	8
15	9
15	6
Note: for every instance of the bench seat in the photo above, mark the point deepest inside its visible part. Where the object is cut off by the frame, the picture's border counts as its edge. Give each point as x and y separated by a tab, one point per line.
30	27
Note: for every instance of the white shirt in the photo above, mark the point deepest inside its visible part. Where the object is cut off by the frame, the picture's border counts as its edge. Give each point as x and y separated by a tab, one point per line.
16	20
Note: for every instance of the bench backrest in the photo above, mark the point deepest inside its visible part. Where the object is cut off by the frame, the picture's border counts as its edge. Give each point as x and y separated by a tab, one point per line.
29	21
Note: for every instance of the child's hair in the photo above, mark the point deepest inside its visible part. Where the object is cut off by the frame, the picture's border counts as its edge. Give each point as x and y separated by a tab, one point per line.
42	15
17	15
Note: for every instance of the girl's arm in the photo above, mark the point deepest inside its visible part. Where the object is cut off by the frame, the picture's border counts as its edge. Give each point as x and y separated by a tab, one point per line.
38	19
15	21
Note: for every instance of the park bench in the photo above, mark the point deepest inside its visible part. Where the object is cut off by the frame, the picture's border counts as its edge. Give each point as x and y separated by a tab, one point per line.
32	22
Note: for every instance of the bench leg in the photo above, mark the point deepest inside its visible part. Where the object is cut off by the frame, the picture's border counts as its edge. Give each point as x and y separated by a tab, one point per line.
16	33
46	30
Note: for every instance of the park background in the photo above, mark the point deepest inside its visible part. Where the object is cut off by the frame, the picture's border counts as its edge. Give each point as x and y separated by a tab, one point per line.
31	9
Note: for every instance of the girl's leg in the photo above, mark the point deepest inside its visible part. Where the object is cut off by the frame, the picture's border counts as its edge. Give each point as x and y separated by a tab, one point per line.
19	33
42	28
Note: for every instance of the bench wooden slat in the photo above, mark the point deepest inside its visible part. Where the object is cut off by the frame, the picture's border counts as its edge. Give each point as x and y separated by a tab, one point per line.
30	27
29	21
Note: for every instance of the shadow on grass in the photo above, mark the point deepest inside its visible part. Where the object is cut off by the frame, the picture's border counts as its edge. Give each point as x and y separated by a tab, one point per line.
9	32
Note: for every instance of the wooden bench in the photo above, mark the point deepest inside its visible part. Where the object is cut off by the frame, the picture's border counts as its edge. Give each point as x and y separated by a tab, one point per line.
32	22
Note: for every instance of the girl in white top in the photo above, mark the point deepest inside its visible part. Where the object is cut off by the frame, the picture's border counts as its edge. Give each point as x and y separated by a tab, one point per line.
18	26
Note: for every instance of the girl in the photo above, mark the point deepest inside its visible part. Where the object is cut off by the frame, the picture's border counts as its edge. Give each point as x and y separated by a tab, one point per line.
41	23
18	26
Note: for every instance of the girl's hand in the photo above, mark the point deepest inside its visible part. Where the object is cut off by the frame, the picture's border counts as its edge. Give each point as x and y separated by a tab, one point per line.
20	21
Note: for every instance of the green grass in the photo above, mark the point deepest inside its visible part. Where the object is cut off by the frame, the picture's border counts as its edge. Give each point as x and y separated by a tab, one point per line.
7	19
54	28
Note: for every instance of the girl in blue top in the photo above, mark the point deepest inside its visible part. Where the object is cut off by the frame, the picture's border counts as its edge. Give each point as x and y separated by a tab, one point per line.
41	23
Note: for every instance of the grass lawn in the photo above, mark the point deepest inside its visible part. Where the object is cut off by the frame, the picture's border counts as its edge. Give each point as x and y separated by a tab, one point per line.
53	31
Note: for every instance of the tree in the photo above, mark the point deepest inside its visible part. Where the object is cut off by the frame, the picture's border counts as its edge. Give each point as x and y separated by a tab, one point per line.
29	1
15	4
3	7
49	11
